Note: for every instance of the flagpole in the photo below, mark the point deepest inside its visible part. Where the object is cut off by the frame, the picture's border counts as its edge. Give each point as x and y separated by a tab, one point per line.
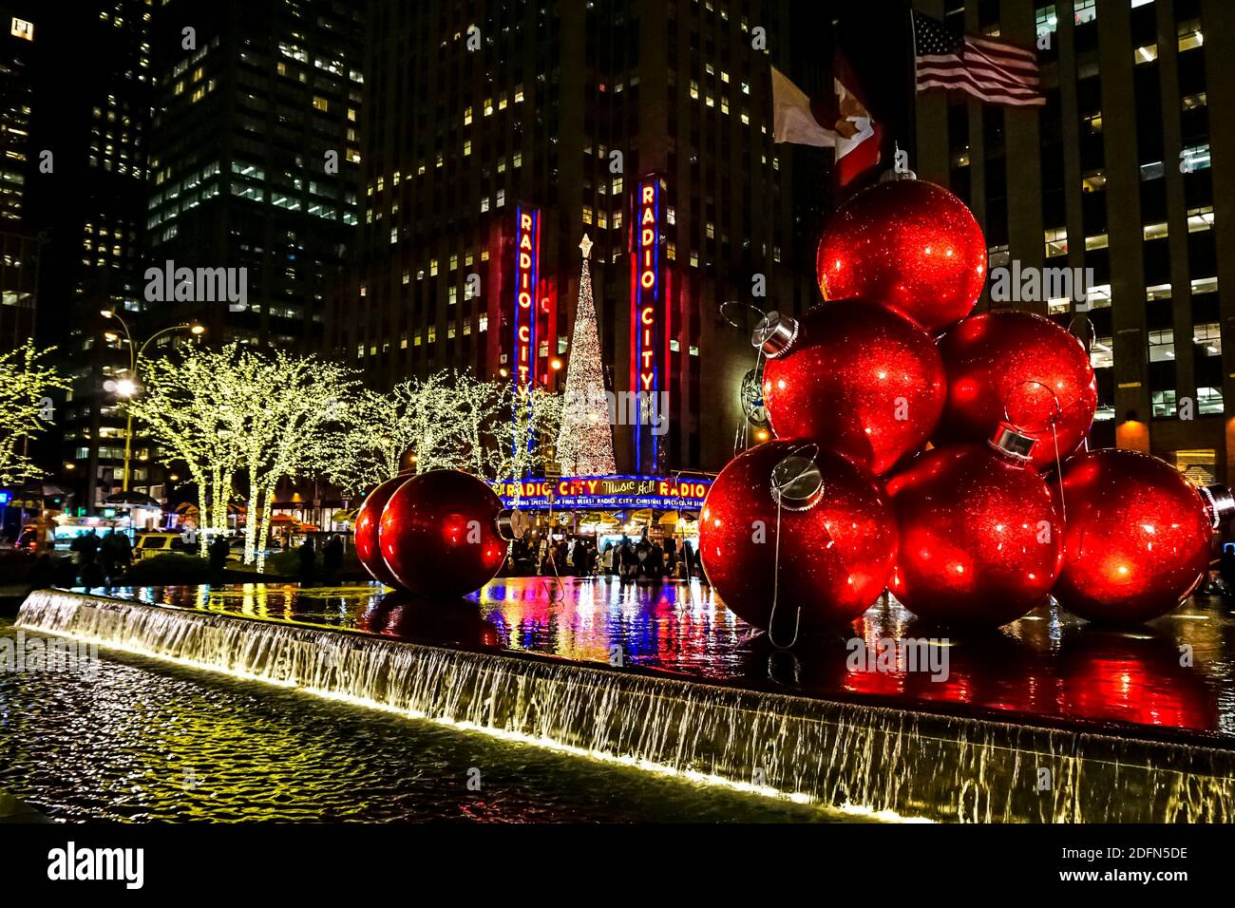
913	89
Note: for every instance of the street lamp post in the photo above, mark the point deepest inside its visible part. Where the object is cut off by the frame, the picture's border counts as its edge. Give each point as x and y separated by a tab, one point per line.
128	386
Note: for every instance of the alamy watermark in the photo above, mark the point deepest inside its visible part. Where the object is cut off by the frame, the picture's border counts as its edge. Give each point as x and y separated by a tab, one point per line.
198	285
892	655
48	654
620	408
1027	284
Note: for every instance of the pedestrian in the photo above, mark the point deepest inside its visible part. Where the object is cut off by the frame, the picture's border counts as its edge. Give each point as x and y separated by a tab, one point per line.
308	561
124	552
607	559
107	554
671	558
217	553
332	557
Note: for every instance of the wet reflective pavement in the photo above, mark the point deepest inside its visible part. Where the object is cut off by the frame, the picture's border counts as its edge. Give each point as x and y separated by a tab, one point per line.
1174	675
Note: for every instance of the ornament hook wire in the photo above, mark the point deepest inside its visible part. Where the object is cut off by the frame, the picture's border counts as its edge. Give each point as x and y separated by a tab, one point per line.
729	304
780	486
1053	421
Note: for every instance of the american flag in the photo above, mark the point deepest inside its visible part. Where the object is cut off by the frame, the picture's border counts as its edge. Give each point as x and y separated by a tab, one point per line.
991	70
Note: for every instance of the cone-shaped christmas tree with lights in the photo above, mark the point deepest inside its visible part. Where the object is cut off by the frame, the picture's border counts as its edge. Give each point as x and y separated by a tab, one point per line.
585	442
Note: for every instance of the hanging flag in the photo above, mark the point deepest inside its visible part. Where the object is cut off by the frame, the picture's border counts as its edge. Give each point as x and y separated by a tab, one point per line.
842	122
858	136
992	70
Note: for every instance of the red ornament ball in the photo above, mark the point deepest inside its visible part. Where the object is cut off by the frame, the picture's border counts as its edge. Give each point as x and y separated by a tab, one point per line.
367	522
1023	368
439	534
1137	541
857	378
981	538
837	537
909	244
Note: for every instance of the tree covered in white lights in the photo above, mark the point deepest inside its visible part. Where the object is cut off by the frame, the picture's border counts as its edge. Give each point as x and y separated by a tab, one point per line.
25	408
242	413
585	440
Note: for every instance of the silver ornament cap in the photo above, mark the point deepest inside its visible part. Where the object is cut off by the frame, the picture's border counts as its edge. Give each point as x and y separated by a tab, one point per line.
1013	443
775	334
797	483
511	524
1220	503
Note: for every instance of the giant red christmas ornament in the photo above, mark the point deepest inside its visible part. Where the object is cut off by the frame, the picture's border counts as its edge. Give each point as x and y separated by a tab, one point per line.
1138	535
909	244
1023	368
835	541
981	538
855	377
441	533
367	523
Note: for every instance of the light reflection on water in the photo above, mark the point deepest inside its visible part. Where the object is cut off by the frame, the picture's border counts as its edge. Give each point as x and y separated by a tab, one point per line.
138	740
1047	665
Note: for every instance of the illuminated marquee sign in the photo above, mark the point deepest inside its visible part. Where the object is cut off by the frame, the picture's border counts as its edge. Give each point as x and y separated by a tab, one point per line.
527	286
608	493
649	318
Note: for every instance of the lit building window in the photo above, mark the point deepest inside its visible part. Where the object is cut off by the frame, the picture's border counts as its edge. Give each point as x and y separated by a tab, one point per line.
1045	20
1190	35
1161	346
1085	10
1194	158
1155	231
1208	338
1146	54
1163	403
1209	401
1200	218
1056	241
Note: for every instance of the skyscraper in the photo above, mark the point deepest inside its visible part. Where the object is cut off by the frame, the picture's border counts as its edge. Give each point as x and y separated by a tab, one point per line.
254	153
498	132
1123	176
87	189
19	246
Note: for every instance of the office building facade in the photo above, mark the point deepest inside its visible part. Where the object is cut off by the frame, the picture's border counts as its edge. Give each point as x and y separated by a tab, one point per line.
499	133
1124	177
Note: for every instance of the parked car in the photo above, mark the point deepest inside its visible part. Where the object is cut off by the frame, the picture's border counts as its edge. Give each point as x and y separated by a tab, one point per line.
158	543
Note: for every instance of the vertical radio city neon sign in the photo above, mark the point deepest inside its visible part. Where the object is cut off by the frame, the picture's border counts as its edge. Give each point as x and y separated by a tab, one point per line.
527	280
649	321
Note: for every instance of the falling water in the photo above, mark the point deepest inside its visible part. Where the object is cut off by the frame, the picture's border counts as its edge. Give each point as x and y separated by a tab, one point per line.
868	759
